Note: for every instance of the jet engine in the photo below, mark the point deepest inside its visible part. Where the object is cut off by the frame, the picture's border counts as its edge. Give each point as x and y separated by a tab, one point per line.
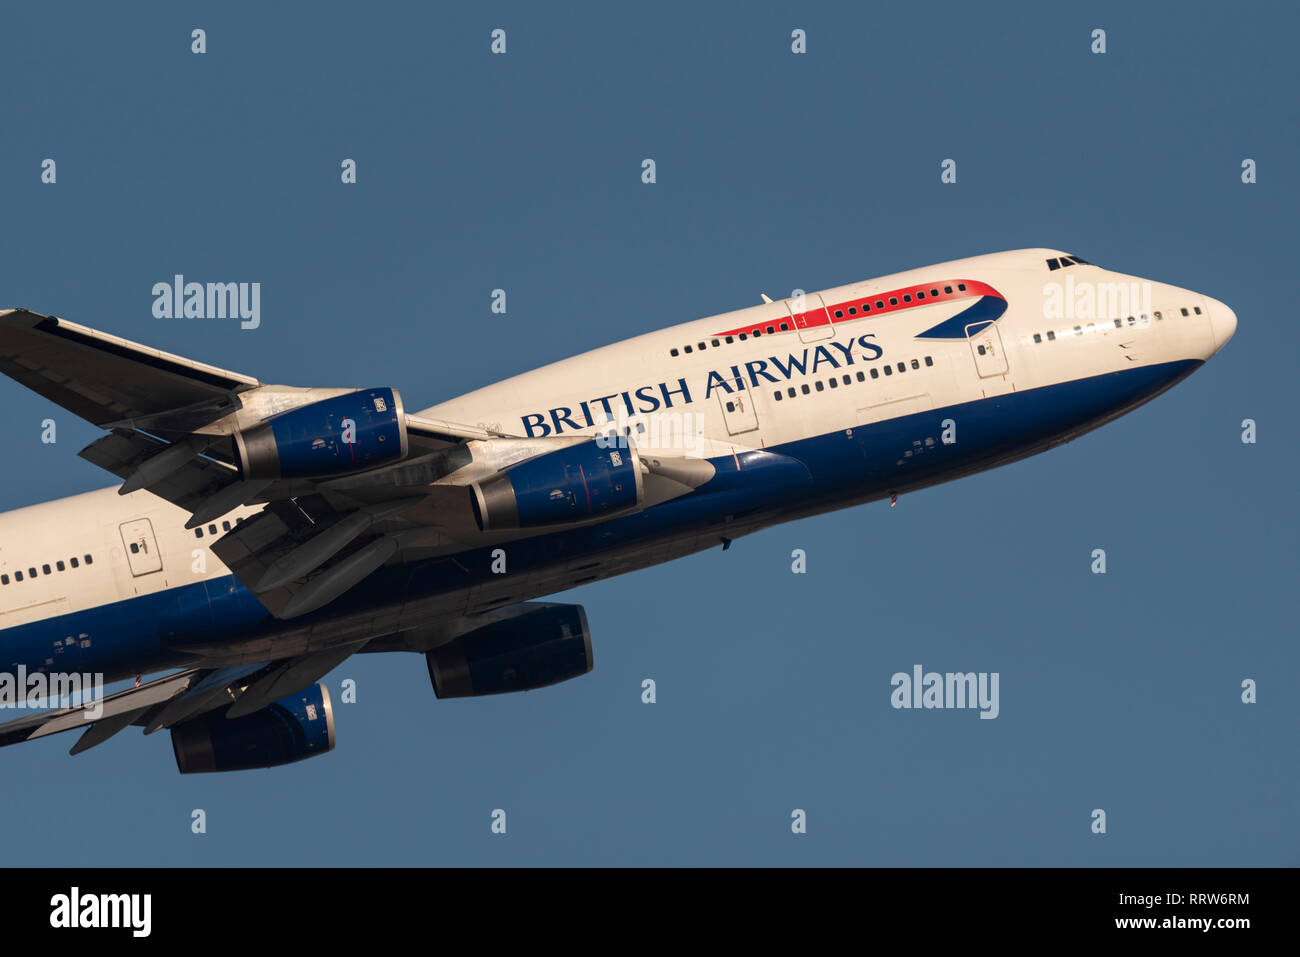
347	433
572	484
537	648
295	727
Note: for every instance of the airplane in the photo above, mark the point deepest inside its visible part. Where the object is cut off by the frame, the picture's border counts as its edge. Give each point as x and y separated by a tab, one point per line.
262	534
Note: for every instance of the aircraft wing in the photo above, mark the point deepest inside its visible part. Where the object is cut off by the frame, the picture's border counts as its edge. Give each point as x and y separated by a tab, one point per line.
114	383
106	380
168	701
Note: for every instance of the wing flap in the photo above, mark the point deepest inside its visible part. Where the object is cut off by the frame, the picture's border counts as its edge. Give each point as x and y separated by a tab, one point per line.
172	699
53	721
123	451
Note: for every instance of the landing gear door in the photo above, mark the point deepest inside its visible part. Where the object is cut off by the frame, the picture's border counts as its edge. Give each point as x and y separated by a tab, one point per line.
808	314
986	347
738	408
141	547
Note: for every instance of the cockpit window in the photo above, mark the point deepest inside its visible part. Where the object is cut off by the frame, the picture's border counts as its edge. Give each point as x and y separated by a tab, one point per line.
1064	261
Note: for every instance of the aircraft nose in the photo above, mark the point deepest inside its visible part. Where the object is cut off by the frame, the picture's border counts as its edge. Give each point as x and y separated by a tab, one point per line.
1222	320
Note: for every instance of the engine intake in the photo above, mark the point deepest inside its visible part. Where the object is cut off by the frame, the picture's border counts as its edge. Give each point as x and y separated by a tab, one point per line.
568	485
293	728
531	650
348	433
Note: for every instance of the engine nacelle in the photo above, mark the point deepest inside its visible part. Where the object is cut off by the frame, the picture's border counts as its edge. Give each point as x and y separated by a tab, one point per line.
299	726
531	650
348	433
568	485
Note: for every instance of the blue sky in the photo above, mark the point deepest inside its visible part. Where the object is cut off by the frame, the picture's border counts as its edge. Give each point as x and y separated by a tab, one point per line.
774	171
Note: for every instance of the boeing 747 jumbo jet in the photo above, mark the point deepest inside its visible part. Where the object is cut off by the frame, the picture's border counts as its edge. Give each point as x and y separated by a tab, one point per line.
264	533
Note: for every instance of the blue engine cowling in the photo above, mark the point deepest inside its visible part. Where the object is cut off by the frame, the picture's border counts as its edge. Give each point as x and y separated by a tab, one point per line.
546	643
572	484
348	433
296	727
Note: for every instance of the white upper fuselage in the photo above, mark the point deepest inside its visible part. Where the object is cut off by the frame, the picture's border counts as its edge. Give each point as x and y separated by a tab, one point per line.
1021	277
